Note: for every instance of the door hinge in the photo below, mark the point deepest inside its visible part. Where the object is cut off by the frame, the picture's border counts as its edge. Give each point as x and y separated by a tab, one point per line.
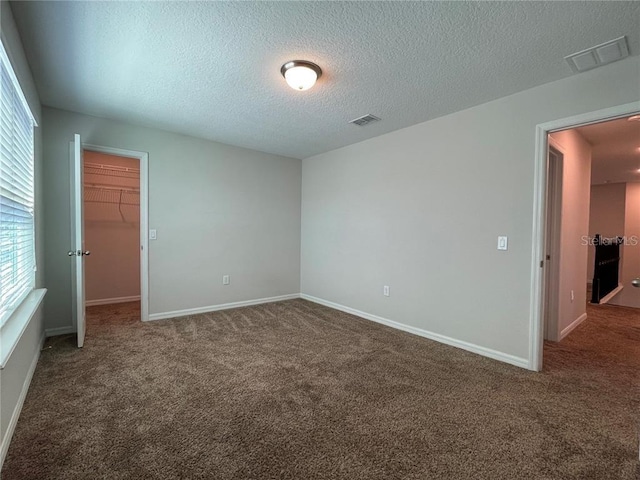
541	263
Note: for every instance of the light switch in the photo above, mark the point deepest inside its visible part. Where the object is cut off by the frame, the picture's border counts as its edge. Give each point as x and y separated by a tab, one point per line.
152	234
502	243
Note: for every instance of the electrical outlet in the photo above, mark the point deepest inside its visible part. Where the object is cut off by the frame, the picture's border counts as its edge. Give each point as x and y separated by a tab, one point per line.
153	235
385	290
225	280
572	296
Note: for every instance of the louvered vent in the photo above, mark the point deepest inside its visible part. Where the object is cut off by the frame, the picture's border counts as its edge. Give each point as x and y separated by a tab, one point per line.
599	55
365	120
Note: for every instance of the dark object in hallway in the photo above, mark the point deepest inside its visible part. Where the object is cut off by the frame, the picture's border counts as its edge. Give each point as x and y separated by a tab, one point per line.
606	268
294	390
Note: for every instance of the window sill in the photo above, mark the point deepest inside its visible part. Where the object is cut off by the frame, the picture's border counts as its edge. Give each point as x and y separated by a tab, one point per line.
17	323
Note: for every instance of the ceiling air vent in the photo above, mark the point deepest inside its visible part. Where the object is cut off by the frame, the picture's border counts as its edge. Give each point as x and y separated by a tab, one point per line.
599	55
365	120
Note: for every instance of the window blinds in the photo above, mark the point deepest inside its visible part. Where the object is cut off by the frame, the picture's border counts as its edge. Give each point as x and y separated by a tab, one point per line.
17	244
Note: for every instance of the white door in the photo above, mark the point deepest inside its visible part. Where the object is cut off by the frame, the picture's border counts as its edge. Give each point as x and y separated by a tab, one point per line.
77	252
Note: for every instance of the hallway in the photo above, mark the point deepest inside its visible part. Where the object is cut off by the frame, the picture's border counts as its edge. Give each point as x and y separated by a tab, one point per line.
606	345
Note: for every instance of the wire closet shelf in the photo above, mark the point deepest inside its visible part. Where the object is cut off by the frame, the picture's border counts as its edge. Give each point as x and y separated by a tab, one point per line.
104	192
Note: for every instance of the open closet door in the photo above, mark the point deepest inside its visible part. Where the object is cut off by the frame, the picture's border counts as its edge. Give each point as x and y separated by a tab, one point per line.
77	252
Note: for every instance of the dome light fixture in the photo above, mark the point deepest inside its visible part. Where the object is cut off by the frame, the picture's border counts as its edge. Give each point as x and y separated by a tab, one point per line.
300	74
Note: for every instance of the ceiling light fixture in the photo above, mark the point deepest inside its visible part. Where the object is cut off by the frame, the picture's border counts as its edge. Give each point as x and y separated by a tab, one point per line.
300	74
634	118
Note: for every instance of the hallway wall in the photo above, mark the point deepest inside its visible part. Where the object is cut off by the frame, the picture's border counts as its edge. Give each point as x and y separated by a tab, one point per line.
576	190
630	268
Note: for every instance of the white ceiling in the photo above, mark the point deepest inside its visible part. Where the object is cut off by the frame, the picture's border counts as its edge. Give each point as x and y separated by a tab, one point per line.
212	69
615	152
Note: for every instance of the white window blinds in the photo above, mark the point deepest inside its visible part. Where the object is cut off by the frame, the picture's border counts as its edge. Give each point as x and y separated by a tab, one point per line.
17	245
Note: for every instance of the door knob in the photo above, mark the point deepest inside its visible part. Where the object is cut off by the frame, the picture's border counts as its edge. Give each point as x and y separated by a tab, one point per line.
636	282
78	253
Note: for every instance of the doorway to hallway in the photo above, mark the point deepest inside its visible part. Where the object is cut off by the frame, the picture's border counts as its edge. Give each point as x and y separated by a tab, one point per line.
593	203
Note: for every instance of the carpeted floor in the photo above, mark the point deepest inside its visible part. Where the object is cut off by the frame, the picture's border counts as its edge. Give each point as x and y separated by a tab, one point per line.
294	390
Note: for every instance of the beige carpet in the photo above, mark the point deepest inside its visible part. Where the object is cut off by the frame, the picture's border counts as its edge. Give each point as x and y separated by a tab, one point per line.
294	390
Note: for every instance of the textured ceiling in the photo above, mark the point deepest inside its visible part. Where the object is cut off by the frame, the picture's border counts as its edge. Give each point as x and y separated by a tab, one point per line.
615	152
212	69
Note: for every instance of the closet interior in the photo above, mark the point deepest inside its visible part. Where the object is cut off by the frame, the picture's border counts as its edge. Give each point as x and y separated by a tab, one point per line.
111	228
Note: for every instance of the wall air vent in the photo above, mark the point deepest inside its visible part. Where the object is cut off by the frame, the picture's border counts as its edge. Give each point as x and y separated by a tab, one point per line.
365	120
599	55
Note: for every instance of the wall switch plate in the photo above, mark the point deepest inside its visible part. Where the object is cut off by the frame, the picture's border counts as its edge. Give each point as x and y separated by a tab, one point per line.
503	242
153	235
225	279
385	290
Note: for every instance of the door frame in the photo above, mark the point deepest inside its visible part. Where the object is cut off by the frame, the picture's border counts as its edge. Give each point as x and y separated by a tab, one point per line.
541	176
143	157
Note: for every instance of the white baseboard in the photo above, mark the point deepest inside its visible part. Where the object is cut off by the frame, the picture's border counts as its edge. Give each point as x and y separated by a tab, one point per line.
52	332
6	440
110	301
223	306
487	352
567	330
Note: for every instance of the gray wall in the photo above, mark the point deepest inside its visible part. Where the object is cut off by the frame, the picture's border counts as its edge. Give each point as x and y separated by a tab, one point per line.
420	210
14	375
217	209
